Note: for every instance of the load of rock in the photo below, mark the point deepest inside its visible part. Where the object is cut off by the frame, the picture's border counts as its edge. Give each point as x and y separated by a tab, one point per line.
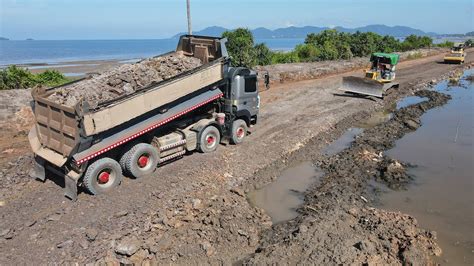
124	80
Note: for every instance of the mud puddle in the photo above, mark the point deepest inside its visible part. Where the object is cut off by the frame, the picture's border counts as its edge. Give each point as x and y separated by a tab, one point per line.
442	196
343	142
376	118
281	198
410	100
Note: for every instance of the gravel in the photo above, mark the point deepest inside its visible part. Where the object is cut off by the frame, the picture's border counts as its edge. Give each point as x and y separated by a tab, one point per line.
125	79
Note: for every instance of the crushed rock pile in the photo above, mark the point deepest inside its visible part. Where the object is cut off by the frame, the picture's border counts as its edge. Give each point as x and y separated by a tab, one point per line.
125	79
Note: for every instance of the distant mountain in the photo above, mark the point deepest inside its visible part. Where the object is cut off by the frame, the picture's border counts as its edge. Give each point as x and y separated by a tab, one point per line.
210	31
302	32
396	31
471	33
4	39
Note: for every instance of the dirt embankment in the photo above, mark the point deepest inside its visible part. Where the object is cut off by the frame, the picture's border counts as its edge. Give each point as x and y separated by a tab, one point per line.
283	73
337	225
124	80
194	211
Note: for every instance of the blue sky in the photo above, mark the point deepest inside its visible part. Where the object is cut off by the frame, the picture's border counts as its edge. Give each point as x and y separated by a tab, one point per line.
135	19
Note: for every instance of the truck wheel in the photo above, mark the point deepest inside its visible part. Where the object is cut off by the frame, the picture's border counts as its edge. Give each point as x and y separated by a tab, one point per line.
141	160
239	131
209	140
102	176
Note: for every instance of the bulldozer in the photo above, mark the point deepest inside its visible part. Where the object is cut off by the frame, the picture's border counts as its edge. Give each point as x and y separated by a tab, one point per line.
378	78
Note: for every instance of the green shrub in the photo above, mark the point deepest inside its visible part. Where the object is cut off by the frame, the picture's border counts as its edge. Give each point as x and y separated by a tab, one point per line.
14	77
469	43
446	44
307	51
285	57
51	78
326	45
415	55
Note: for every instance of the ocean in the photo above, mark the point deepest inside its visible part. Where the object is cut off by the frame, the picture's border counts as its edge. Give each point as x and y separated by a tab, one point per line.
54	52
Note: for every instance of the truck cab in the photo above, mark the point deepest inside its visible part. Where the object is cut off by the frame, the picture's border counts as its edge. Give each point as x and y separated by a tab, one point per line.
244	94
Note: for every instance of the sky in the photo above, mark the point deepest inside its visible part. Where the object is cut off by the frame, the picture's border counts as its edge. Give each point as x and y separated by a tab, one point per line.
154	19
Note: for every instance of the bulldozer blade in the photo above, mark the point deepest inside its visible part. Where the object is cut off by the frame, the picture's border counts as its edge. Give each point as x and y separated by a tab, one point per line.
363	86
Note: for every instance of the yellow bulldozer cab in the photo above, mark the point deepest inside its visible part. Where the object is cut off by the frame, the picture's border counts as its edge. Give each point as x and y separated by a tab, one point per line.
457	58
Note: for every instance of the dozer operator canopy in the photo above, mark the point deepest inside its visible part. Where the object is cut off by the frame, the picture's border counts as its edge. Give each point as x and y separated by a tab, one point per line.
384	58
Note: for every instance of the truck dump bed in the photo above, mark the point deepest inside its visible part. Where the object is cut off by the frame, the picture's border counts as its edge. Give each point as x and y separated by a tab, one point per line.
60	127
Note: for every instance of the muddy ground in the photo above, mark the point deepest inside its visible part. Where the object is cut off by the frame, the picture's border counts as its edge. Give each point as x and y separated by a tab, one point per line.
195	209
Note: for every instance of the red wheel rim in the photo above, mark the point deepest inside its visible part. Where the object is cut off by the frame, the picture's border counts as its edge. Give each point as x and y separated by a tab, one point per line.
143	161
240	133
104	177
210	140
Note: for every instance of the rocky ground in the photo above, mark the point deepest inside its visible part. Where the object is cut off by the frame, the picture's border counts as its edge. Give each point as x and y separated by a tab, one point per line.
124	80
195	209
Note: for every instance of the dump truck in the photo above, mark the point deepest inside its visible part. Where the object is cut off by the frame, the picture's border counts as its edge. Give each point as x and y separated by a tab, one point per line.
456	55
378	78
95	146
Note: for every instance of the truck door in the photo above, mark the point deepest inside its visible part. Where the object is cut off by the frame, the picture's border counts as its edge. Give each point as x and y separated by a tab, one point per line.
245	90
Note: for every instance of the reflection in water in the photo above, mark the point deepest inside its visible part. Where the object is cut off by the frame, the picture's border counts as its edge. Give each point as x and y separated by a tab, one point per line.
281	198
343	142
443	197
410	100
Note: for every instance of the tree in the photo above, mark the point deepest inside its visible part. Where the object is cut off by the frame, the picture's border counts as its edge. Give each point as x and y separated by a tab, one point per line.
469	43
240	46
307	52
285	57
388	44
365	43
413	42
263	54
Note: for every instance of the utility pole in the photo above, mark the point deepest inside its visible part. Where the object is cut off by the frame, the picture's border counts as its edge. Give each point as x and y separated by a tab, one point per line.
188	5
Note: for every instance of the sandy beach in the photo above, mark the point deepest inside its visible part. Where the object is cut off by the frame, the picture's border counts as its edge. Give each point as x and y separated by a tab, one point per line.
77	68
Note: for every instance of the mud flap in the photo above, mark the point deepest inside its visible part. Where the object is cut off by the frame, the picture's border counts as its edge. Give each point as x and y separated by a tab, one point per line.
363	86
70	185
39	171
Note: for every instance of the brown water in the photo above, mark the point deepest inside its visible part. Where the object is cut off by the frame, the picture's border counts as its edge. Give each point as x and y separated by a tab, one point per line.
281	198
442	197
343	142
376	118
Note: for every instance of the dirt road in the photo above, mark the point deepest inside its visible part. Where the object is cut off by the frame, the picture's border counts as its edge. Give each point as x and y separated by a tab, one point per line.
195	209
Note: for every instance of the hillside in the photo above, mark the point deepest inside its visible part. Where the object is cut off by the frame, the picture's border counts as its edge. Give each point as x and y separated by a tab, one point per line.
301	32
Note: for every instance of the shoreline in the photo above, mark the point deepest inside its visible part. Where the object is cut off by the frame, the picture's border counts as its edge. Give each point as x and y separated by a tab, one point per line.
79	68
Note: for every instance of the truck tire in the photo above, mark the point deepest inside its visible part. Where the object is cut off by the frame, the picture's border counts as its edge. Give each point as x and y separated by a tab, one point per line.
209	139
141	160
239	131
102	176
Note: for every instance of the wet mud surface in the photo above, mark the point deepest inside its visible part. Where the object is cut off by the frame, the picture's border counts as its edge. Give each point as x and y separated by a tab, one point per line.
337	223
281	198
